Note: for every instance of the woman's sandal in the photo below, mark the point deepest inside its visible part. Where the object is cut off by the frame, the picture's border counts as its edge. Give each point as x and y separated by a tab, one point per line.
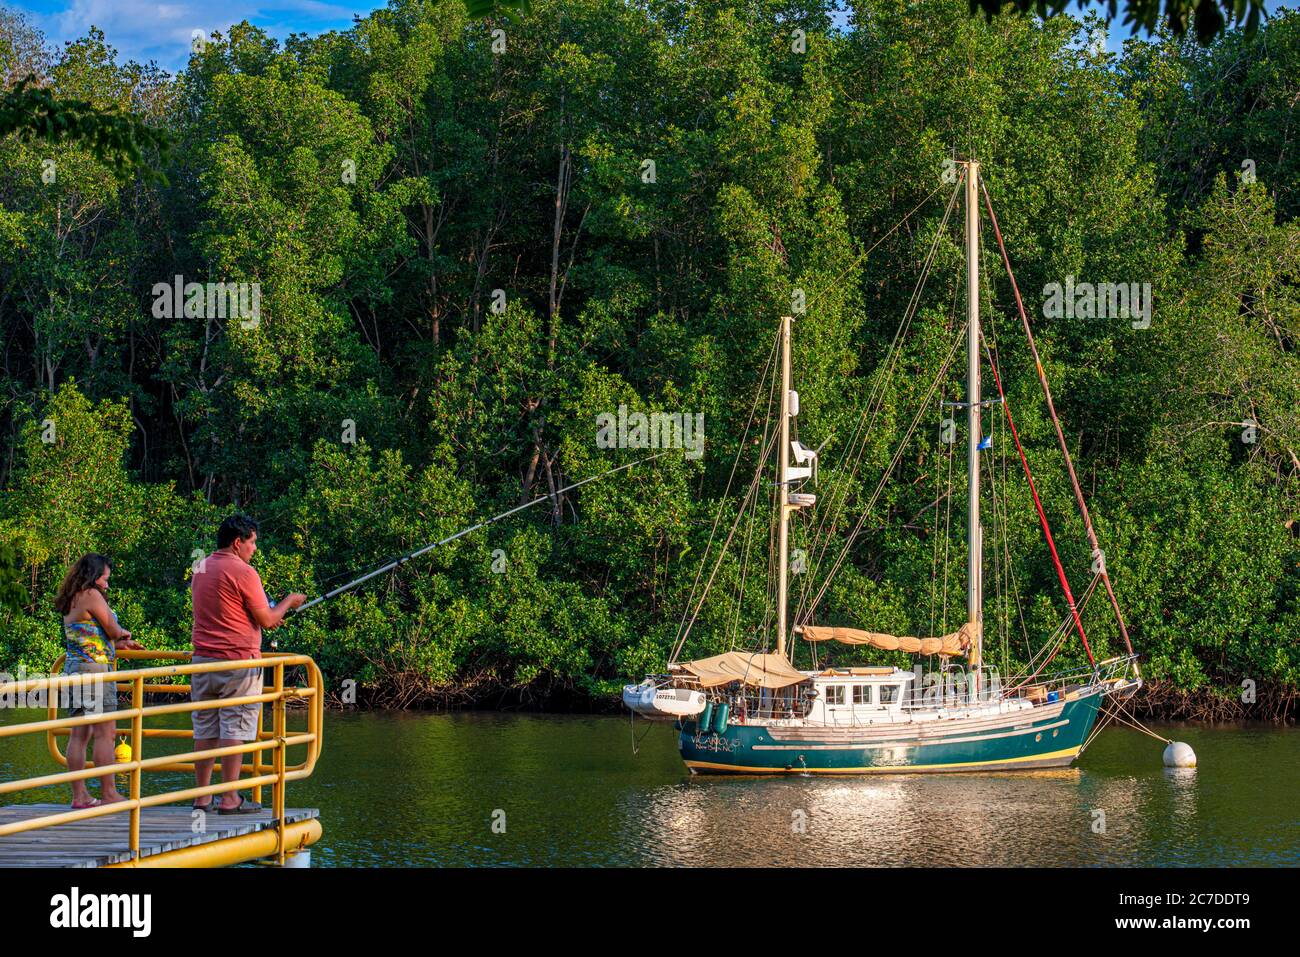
94	802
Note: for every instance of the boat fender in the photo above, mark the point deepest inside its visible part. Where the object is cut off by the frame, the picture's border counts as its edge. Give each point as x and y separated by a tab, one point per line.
1179	755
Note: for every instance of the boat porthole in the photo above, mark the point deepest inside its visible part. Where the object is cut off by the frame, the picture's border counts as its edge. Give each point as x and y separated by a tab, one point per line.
1038	737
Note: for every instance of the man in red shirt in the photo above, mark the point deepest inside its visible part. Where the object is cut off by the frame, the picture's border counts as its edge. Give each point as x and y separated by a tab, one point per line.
230	611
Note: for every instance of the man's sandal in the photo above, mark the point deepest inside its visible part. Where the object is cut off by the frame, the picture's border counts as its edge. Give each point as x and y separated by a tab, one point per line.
245	806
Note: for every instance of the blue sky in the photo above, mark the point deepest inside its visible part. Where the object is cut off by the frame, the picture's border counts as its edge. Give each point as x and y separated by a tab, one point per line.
160	30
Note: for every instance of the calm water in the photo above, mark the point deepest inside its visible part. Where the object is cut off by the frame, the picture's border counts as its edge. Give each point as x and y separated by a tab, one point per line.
402	789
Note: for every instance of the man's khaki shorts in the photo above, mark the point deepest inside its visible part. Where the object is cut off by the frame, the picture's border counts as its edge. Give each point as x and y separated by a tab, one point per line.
235	723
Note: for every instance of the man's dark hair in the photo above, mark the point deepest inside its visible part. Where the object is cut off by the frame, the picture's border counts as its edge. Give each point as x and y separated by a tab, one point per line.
236	526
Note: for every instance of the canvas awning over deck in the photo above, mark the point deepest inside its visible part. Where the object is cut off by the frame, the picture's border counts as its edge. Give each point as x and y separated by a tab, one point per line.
757	670
957	643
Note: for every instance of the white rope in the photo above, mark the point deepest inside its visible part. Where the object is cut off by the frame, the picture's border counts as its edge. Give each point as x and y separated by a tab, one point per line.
1135	724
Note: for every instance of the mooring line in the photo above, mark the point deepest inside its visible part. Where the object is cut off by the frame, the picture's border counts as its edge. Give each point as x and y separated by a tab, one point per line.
1137	725
636	742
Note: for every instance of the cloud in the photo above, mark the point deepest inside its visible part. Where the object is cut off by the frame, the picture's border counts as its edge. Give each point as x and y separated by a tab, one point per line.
161	31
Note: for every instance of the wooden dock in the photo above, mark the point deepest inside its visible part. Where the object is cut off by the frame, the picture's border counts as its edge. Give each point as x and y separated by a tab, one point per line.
101	841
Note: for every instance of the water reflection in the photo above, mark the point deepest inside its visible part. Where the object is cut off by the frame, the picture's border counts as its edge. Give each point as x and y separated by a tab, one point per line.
425	790
1097	816
895	821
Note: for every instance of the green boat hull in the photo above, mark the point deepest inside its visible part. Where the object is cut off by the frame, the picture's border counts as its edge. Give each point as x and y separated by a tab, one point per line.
1042	738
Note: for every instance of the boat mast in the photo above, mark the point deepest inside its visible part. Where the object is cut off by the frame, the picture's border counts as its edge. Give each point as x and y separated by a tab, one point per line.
975	564
783	504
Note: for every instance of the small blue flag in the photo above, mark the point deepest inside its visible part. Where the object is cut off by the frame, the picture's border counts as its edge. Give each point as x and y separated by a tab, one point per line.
985	443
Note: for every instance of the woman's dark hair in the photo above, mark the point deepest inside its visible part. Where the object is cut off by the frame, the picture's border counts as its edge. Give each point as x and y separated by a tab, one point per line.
80	576
236	526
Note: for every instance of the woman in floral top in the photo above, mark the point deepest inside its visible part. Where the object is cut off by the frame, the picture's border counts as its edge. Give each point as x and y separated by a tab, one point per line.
91	639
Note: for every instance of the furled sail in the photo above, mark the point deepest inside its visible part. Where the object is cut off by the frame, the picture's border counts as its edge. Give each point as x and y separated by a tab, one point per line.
757	670
957	643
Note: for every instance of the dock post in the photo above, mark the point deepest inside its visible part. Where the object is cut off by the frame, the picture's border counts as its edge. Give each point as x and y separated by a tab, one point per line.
137	747
277	789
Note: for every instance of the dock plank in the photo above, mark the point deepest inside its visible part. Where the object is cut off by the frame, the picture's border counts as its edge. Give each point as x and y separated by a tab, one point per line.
106	840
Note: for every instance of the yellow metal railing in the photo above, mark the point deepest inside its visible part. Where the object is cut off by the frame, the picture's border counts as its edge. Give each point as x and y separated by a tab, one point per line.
140	681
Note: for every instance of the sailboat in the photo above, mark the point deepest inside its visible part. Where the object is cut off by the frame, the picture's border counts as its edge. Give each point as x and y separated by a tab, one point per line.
753	712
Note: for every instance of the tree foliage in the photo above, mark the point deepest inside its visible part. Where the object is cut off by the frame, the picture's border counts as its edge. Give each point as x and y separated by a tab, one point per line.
472	238
120	140
1207	18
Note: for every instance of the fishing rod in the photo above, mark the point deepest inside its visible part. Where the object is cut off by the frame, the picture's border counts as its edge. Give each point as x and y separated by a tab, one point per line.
410	556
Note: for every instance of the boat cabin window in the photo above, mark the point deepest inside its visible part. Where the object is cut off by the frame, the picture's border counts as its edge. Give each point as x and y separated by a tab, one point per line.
889	694
835	694
862	694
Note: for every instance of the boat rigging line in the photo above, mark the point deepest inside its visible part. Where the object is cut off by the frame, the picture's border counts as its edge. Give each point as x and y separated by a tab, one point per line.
857	442
807	611
889	232
683	627
1042	516
1060	434
856	447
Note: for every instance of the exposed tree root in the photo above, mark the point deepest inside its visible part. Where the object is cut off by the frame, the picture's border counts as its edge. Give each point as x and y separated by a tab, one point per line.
1162	701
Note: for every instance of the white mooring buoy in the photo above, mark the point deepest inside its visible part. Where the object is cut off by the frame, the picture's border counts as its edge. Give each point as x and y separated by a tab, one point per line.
1179	755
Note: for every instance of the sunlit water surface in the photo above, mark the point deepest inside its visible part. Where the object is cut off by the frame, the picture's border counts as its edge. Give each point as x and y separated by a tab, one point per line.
540	790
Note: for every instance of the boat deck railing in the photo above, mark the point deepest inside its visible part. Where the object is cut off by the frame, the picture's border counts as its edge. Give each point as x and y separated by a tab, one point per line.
260	771
1119	673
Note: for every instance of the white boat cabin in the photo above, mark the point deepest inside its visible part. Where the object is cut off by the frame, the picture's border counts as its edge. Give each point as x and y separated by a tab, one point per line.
855	696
